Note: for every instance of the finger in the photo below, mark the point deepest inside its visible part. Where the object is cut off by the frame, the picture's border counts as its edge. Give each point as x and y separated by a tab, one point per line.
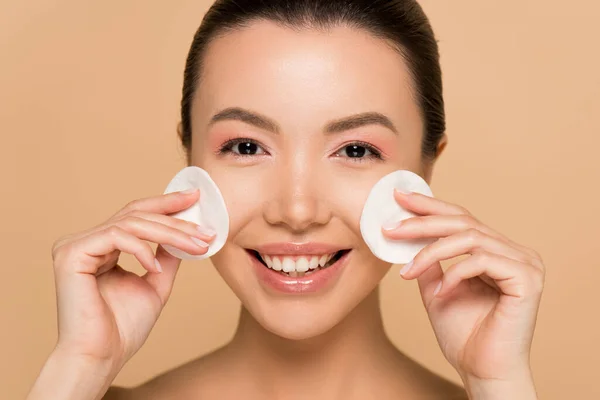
162	204
512	277
426	205
109	261
439	226
87	255
162	234
465	242
163	283
428	281
205	234
191	228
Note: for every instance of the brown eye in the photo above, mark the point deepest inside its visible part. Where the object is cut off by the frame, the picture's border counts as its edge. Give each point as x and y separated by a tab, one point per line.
359	152
247	148
242	147
354	151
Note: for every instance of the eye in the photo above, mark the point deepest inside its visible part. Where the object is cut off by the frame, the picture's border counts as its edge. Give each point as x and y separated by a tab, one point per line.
360	151
242	147
245	147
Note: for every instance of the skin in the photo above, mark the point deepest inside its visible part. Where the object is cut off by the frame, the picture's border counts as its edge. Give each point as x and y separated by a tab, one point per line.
300	185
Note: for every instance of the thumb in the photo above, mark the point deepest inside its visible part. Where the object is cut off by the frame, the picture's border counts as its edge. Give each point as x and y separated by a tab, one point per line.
163	282
428	281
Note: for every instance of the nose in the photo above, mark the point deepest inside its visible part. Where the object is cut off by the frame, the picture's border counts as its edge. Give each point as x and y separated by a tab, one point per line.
298	201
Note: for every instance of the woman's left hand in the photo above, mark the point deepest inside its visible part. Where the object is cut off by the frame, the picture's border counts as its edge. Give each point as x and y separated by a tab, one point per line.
485	310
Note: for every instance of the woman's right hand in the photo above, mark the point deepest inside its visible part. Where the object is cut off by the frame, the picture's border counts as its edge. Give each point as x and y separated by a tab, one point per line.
105	313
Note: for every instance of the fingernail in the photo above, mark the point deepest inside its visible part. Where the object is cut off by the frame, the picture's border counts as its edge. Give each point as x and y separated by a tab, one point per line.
391	225
188	191
158	266
407	267
205	231
402	191
438	288
199	242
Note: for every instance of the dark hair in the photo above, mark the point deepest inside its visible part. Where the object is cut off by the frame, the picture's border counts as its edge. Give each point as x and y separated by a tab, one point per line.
401	22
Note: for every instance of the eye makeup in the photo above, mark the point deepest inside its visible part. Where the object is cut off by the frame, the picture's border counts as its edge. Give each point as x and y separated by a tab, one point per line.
358	146
252	145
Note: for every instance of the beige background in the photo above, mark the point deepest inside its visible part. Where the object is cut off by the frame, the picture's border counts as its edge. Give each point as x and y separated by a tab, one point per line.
89	96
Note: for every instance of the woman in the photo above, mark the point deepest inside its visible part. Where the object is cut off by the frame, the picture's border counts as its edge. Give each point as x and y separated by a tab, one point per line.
296	108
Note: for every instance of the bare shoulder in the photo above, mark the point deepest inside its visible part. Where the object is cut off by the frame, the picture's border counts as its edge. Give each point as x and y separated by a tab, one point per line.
211	375
446	390
436	387
187	381
117	393
174	384
416	381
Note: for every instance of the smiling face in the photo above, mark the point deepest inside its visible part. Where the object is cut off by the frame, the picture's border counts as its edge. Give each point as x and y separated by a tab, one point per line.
296	128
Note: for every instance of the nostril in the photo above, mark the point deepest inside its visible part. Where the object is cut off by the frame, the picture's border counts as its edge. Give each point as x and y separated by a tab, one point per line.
298	210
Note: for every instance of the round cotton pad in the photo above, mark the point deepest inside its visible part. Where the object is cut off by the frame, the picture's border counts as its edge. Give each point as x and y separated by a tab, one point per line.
381	207
209	211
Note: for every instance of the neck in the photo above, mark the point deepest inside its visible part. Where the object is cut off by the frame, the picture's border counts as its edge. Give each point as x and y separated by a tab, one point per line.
353	349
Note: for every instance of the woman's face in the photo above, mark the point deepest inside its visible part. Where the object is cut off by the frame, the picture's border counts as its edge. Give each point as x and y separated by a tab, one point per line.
302	163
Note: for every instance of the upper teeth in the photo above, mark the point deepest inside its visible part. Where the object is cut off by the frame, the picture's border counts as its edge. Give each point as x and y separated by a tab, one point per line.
297	263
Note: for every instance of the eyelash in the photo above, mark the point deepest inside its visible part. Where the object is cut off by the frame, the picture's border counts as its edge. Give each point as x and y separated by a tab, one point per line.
228	146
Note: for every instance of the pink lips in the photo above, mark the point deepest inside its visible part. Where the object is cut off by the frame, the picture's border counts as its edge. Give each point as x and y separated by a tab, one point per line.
317	281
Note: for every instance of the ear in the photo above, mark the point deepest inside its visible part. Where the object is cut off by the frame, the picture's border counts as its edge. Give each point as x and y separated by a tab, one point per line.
428	167
441	146
179	129
188	156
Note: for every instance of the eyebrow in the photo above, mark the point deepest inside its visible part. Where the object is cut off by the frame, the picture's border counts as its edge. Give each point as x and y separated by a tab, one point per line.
336	126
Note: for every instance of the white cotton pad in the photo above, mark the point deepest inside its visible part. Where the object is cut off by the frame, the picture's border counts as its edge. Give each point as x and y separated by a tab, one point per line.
381	207
209	211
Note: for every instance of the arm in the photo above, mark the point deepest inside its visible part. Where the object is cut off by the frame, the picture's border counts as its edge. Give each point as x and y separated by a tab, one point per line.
66	378
483	309
105	313
519	388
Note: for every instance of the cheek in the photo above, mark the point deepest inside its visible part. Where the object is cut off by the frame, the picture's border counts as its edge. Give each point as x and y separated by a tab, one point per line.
347	193
243	193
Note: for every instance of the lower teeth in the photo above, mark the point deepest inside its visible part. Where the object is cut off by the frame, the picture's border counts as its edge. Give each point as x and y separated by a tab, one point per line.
296	274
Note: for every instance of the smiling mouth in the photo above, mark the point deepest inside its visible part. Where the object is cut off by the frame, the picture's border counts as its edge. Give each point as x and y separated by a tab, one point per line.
297	274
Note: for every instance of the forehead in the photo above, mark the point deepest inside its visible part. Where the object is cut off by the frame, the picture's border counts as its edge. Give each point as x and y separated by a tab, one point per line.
319	75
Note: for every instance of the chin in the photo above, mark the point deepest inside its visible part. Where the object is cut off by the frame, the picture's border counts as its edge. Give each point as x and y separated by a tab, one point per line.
300	319
300	307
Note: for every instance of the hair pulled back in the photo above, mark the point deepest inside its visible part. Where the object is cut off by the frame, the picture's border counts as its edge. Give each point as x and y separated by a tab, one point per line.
400	22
